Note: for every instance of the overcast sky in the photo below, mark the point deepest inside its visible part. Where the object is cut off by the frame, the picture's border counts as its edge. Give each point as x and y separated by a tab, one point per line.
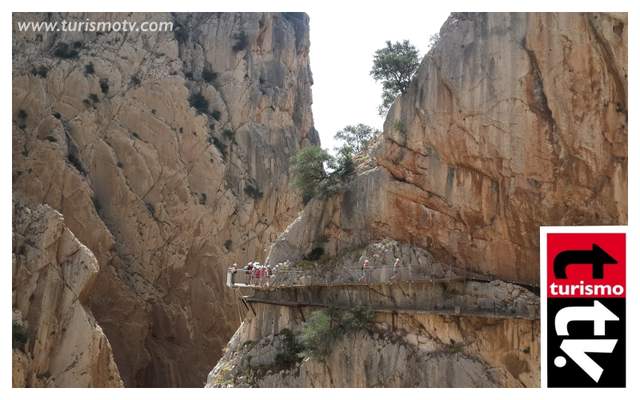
342	46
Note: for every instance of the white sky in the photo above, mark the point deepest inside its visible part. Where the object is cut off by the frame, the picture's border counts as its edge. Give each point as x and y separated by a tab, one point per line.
342	48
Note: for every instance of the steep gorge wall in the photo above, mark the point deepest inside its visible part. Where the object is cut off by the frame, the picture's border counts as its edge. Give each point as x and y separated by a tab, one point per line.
512	121
136	174
53	275
406	350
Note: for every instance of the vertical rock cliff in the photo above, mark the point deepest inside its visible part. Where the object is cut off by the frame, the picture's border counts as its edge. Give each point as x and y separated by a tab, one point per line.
512	121
57	342
167	154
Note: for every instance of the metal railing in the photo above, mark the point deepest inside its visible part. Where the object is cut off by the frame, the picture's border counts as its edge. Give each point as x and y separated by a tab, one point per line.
292	276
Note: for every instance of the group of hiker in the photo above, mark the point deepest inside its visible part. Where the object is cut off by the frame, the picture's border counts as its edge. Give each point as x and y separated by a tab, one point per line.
260	275
365	271
255	274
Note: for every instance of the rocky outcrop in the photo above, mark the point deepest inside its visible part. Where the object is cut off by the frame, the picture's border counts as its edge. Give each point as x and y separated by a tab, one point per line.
512	121
57	342
402	351
166	196
430	329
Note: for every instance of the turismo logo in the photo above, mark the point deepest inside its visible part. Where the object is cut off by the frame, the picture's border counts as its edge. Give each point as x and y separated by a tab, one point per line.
586	309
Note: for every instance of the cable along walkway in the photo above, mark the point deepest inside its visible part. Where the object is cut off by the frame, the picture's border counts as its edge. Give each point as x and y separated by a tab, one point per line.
451	294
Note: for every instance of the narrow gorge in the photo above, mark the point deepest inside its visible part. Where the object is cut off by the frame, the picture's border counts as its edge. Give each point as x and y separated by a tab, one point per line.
144	165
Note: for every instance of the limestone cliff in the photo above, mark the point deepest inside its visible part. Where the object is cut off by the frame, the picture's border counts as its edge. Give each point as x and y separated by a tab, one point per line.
53	275
164	189
512	121
418	338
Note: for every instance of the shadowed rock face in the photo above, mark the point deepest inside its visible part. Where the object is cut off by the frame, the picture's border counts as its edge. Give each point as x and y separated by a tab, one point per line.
156	190
53	275
512	121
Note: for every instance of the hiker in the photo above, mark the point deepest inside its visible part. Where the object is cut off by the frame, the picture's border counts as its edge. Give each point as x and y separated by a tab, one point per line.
365	271
257	282
233	271
247	272
396	268
256	273
267	276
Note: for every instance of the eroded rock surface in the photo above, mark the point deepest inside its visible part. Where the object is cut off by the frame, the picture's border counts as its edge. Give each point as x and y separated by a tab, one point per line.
405	351
166	197
53	274
512	121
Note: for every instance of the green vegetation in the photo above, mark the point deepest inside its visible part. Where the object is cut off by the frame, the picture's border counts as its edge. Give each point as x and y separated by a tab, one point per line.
76	163
45	375
19	337
433	39
394	66
208	75
241	42
57	115
188	75
229	134
308	169
104	86
51	139
343	165
310	176
22	114
399	127
199	102
65	51
41	70
181	34
89	68
454	347
135	80
219	145
289	356
357	137
315	254
325	327
253	191
216	115
94	97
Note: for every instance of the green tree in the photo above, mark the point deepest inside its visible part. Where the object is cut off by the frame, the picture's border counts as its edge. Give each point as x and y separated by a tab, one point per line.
433	39
343	165
358	136
308	169
310	176
394	66
318	334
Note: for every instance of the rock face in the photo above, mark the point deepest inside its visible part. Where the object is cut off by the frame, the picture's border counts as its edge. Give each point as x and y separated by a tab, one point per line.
166	197
53	275
511	122
418	338
405	351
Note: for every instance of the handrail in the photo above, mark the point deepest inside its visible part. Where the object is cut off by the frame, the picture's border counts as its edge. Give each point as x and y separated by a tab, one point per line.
282	276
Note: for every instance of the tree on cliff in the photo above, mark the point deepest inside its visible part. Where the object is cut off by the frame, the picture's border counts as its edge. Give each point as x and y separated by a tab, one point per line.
358	136
310	176
394	65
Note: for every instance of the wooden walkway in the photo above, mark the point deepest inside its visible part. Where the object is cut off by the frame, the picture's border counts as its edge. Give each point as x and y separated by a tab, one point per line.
248	299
